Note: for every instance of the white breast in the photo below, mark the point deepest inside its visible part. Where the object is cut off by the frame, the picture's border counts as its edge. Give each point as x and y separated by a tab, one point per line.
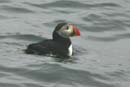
70	50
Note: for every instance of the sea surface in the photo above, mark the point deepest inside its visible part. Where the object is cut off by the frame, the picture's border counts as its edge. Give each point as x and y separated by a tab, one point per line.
102	52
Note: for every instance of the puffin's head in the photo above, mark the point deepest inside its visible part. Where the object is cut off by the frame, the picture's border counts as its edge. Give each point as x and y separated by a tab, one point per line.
66	30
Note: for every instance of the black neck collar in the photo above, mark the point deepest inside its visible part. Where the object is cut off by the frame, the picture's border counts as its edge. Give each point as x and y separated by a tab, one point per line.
65	41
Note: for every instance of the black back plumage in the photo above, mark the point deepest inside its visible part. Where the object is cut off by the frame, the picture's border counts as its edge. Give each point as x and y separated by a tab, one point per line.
58	45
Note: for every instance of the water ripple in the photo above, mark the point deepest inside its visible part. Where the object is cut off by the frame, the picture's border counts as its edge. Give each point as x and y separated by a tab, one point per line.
93	65
27	37
15	9
101	24
56	73
3	17
9	85
4	1
110	38
73	4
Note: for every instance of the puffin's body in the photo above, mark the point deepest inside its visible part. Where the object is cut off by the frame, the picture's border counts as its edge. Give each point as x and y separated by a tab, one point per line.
60	44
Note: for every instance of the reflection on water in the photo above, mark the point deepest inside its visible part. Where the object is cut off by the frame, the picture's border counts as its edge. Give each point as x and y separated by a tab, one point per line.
101	54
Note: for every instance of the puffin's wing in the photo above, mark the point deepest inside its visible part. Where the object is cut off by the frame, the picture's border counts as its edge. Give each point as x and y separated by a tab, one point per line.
47	47
38	48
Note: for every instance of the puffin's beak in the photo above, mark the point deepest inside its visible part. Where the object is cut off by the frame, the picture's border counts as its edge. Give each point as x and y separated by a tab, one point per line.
76	31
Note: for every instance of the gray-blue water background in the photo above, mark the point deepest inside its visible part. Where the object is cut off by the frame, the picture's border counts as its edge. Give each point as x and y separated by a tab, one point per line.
103	49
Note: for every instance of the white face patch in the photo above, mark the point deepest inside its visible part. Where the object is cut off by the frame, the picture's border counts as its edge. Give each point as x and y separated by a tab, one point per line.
66	31
70	50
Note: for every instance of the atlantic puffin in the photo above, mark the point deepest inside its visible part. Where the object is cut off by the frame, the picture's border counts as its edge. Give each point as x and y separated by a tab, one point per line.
60	44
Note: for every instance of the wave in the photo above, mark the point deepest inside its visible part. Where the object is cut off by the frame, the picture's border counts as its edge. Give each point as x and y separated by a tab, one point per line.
110	38
28	37
72	4
5	1
15	9
52	73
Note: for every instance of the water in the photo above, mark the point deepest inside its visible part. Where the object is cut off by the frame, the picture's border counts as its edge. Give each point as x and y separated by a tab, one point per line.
102	58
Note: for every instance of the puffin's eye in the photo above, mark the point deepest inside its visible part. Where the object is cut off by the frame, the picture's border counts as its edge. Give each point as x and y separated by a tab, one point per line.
67	27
